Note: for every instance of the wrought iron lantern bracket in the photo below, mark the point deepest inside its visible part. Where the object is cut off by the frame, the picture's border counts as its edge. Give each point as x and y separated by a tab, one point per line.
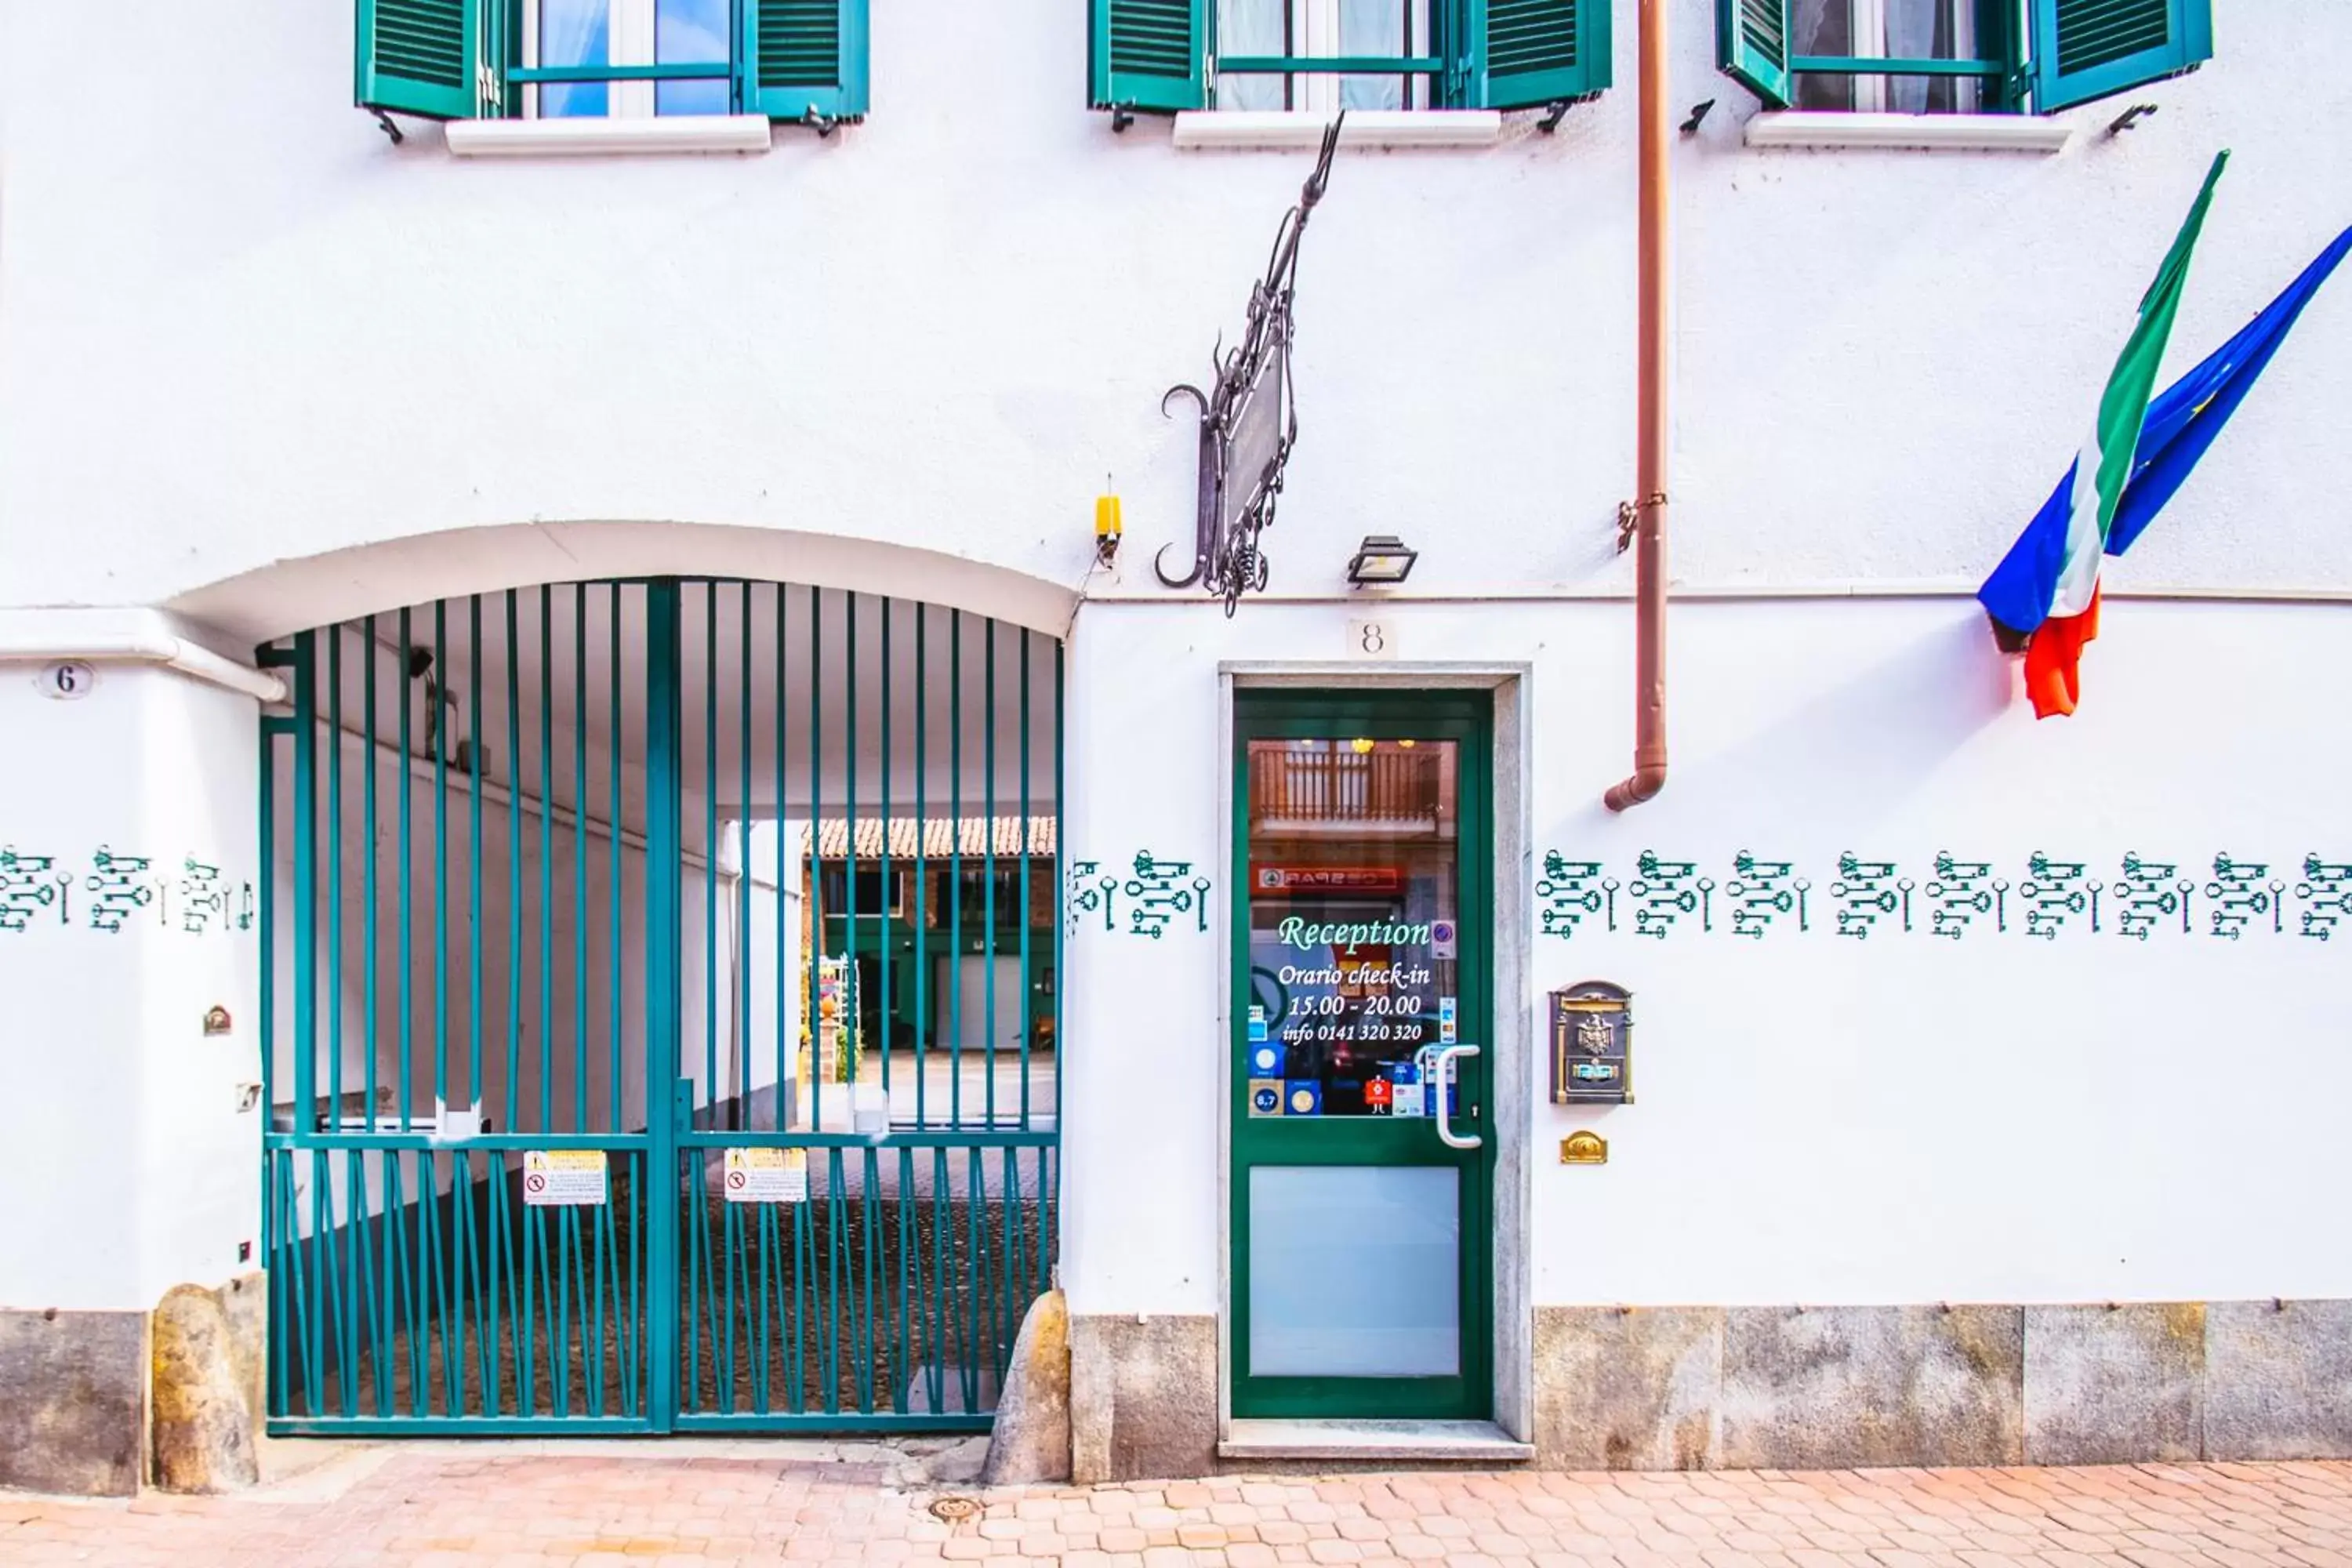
1249	419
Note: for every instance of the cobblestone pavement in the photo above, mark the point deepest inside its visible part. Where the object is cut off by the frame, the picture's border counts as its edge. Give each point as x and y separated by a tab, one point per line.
451	1506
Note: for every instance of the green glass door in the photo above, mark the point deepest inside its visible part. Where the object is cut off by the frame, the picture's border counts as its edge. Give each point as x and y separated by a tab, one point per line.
1362	1155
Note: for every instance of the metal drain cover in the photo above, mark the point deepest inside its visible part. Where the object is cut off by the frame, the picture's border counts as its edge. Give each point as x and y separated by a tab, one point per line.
954	1510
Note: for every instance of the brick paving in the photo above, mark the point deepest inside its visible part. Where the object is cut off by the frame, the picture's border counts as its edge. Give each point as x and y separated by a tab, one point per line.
451	1506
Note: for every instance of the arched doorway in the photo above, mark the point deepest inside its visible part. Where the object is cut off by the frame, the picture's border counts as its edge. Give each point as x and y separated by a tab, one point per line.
660	1009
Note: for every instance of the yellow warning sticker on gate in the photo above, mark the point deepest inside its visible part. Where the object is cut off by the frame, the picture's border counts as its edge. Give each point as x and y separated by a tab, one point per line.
563	1178
767	1175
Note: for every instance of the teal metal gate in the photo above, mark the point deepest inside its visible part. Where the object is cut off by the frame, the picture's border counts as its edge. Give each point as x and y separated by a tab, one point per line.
659	1012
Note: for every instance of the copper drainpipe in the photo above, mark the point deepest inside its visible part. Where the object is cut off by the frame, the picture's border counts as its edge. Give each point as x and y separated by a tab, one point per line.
1649	776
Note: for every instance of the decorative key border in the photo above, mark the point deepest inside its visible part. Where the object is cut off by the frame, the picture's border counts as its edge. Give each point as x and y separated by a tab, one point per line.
112	891
1157	896
1948	896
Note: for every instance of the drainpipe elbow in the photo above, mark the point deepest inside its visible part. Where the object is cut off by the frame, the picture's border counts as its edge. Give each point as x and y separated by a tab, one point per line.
1647	779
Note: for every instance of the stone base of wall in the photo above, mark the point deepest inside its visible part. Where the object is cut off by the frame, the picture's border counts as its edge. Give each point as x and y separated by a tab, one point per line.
1796	1388
205	1394
1143	1398
71	1417
99	1403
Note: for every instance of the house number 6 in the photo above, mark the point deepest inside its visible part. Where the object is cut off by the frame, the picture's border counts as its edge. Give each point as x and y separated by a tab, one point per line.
68	679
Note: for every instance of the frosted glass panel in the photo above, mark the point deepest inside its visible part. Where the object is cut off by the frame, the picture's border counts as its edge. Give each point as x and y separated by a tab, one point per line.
1355	1271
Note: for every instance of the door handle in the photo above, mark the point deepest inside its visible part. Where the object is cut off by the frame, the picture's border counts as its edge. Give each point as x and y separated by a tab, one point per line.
1442	1069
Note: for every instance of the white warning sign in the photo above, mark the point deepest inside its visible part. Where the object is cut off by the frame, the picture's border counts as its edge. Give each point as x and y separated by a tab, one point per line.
563	1178
767	1175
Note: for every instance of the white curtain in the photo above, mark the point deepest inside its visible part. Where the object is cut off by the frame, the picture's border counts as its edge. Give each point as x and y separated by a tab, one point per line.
1251	28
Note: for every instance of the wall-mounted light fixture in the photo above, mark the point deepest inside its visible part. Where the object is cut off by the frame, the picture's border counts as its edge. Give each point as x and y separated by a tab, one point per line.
1382	561
1107	527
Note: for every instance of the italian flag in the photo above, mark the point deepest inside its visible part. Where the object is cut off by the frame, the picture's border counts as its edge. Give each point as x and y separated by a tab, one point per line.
2054	659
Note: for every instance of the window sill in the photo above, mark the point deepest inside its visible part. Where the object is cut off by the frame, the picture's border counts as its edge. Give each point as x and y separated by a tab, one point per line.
588	138
1236	129
1941	133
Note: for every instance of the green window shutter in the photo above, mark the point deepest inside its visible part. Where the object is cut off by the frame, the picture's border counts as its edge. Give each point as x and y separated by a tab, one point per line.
1150	54
421	57
2085	49
804	59
1751	44
1541	51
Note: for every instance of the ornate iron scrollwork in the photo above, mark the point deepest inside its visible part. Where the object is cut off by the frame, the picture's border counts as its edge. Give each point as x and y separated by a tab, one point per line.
1249	422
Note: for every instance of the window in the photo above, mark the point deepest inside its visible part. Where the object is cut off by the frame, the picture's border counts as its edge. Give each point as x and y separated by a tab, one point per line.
592	33
1362	29
836	892
1936	56
791	60
1870	30
1167	56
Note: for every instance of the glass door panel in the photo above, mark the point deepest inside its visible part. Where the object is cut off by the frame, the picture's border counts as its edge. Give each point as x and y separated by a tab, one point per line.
1360	994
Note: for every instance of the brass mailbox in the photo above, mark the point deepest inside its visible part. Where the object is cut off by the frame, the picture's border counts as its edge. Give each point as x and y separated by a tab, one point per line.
1591	1044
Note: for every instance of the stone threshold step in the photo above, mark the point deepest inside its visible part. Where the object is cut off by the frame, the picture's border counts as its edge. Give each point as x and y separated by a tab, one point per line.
1455	1442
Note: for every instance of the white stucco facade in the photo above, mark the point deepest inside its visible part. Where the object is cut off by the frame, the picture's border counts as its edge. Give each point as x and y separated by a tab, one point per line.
261	369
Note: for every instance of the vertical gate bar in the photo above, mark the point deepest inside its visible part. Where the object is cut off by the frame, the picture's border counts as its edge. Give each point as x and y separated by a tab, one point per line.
406	882
618	816
335	874
955	867
428	1265
691	1212
1028	996
598	1399
813	905
514	869
580	874
368	870
267	832
365	1286
804	1283
904	1339
923	946
474	851
730	1238
939	1307
837	1239
497	1272
461	1202
559	1340
738	1041
786	1046
710	868
739	1038
976	1300
546	866
662	866
305	913
762	1391
887	1005
474	978
869	1339
988	818
740	992
438	693
852	999
983	1315
636	1397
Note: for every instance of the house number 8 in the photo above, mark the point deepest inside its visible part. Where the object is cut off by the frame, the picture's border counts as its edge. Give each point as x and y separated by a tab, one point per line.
1371	639
68	679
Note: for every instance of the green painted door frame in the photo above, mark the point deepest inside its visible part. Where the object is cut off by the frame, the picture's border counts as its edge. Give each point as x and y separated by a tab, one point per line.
1465	717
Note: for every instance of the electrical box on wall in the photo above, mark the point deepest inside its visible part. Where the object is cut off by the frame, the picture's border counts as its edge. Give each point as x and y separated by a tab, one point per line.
1591	1044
